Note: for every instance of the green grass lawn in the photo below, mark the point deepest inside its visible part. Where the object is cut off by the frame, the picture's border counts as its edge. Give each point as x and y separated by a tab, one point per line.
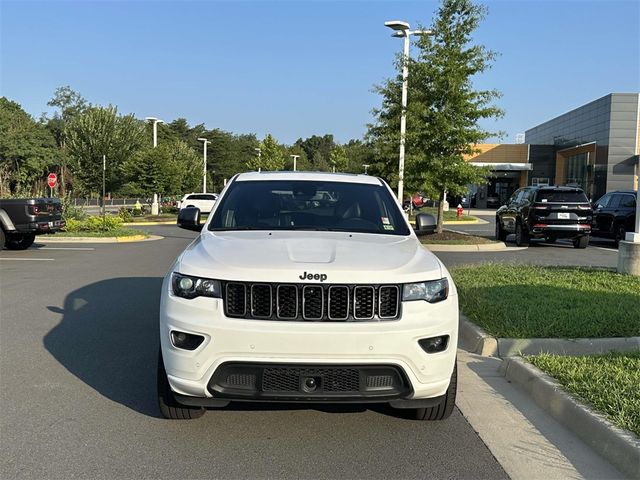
448	216
121	232
453	238
526	301
609	383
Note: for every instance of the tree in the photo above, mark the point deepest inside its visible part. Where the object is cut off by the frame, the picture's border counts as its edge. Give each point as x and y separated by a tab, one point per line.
172	168
101	131
318	151
27	151
443	108
71	104
271	155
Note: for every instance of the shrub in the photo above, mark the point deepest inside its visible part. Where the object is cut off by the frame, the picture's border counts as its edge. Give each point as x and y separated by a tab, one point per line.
71	211
94	224
125	214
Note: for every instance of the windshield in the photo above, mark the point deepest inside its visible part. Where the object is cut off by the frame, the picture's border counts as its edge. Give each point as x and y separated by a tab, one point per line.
309	205
562	196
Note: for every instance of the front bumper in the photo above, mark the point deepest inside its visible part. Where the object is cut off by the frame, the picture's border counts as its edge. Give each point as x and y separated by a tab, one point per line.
386	344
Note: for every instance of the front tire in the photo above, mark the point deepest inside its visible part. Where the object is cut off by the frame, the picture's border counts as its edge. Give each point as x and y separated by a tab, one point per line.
501	235
169	407
20	241
443	410
522	237
620	234
581	242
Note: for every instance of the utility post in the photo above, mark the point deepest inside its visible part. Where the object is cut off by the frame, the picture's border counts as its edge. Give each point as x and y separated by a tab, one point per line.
104	193
205	142
295	159
402	30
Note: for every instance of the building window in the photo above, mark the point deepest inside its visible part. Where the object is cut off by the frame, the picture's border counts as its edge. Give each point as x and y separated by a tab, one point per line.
540	181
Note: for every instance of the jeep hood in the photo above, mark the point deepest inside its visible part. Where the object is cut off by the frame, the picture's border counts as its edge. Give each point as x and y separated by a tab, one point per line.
278	256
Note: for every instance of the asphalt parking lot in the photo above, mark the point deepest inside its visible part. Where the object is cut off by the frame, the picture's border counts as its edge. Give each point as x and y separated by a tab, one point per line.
78	347
601	252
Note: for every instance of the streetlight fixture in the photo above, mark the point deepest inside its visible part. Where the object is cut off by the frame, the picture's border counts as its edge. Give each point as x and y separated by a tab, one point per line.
403	30
155	121
366	166
205	142
295	161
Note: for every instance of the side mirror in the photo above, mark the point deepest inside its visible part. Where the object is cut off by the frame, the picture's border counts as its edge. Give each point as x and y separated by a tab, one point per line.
189	219
425	224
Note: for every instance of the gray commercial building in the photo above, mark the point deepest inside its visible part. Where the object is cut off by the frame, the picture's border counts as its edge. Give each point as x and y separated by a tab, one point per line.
595	146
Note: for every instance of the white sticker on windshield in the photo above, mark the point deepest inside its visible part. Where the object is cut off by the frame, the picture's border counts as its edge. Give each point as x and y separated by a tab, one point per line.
388	227
543	200
385	220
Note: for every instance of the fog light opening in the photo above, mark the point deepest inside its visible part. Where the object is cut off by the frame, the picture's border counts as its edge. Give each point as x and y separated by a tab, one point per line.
434	344
186	341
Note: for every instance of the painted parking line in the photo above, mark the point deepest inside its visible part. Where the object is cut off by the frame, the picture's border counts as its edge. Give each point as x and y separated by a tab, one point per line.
29	259
66	248
606	249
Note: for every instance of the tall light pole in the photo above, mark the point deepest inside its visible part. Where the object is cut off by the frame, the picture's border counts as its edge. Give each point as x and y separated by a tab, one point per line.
402	30
155	121
259	152
205	142
295	161
366	167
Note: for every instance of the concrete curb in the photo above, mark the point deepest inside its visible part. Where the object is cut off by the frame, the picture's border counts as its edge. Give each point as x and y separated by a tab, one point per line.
482	247
476	340
477	221
618	446
133	238
139	224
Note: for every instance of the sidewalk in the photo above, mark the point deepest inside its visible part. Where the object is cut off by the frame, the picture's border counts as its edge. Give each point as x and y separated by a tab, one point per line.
528	443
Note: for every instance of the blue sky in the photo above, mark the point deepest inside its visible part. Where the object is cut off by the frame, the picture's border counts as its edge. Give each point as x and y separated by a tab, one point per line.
300	68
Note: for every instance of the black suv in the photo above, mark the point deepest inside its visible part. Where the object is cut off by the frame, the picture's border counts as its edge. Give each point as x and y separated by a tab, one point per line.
614	214
546	212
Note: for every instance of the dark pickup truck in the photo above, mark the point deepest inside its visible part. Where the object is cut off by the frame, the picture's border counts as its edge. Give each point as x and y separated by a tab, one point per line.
21	219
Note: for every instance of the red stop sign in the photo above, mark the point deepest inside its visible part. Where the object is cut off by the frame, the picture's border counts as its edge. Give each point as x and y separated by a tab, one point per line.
52	180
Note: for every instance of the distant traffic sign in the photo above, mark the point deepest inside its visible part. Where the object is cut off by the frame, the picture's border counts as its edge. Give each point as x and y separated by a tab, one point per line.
52	180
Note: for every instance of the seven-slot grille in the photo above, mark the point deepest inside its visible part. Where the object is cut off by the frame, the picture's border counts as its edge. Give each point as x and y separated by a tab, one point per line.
311	302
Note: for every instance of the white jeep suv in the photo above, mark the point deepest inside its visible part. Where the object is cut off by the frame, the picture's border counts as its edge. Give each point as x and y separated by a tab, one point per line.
307	287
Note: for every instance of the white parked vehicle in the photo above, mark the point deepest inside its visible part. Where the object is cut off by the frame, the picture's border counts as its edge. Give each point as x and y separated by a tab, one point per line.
283	297
202	201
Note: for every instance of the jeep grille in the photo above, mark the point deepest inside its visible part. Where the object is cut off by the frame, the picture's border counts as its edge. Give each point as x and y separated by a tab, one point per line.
311	302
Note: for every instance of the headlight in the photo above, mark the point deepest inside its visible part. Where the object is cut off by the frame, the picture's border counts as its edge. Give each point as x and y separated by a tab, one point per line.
191	287
433	291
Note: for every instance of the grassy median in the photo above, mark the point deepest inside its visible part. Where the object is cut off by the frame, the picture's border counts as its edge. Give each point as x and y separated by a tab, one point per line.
453	238
526	301
609	383
449	216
